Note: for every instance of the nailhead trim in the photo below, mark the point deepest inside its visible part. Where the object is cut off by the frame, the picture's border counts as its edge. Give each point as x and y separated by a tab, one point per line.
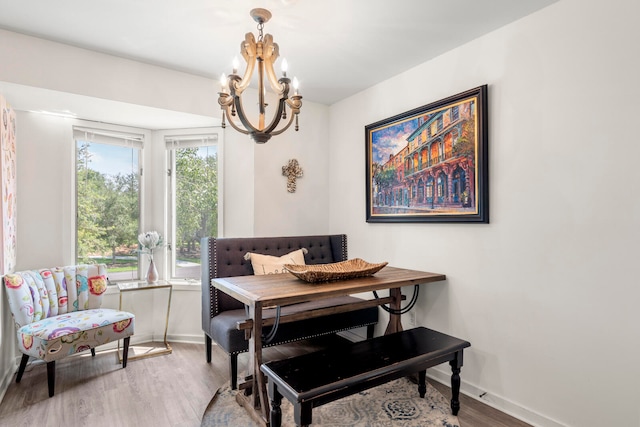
308	337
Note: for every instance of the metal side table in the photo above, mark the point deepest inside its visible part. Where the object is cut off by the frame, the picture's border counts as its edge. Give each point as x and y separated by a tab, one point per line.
126	287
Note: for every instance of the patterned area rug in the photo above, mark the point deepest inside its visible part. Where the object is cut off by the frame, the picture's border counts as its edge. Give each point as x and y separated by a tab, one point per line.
394	404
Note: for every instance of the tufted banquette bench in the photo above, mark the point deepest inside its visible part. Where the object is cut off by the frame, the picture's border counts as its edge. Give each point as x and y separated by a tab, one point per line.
57	313
226	257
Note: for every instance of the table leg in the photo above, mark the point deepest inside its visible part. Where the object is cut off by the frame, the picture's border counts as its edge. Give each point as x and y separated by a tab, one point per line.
154	351
166	324
259	392
395	325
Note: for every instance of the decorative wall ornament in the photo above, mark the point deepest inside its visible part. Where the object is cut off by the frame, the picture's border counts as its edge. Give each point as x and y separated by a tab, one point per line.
292	171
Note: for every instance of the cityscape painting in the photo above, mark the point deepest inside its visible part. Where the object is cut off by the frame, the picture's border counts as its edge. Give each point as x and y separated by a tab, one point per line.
430	164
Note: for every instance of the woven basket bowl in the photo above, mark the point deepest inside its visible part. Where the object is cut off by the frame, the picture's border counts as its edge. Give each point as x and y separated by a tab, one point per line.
343	270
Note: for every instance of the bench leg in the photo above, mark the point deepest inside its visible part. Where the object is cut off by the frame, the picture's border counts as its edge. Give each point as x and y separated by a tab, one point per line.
23	365
422	383
275	416
455	386
370	330
207	346
233	370
302	414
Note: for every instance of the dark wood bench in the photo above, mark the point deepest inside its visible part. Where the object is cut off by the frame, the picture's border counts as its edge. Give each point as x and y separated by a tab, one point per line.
314	379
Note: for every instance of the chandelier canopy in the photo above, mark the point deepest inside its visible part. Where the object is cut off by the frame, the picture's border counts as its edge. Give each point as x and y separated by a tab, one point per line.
261	54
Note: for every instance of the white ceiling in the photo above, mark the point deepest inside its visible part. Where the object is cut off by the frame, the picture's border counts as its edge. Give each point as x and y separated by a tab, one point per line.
336	48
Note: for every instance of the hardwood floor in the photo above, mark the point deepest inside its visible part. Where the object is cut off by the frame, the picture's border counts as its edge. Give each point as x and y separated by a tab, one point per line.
170	390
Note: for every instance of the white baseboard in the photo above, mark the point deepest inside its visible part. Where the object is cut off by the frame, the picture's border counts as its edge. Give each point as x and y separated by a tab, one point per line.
186	338
183	338
498	402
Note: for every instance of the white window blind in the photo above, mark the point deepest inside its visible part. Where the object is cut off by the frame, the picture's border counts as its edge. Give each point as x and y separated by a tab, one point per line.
102	136
175	142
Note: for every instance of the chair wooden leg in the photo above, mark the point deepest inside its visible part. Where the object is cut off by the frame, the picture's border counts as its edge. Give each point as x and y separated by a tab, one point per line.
93	352
23	365
207	346
125	351
233	367
51	376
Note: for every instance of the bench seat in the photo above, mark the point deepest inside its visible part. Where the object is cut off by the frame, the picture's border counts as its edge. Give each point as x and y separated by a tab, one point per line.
317	378
224	329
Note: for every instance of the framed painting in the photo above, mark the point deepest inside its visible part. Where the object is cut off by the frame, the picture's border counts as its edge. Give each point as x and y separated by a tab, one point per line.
430	164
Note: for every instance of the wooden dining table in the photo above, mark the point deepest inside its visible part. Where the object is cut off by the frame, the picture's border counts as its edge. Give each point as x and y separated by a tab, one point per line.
259	292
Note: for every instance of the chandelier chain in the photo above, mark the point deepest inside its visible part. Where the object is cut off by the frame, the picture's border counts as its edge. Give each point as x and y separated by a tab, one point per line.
260	27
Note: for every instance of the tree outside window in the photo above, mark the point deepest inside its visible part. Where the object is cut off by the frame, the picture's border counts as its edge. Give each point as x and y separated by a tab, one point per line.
195	204
107	206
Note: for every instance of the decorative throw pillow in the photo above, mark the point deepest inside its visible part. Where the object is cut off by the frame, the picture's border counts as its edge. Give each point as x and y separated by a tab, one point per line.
268	264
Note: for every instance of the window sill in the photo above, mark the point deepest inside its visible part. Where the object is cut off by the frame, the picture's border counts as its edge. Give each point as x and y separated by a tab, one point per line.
184	285
178	285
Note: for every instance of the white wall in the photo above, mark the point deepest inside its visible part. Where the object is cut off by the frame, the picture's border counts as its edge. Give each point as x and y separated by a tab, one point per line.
31	61
547	292
256	199
278	212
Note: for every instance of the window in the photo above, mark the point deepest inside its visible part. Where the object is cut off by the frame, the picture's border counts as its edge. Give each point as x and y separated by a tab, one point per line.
455	113
108	200
193	194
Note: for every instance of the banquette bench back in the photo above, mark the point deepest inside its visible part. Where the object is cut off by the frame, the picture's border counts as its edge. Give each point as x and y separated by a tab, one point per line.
225	257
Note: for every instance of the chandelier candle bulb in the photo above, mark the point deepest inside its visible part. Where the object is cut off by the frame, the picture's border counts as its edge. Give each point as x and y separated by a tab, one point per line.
223	83
284	66
235	64
295	85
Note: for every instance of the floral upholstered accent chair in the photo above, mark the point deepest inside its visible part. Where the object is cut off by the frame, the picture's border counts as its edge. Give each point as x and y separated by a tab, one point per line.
57	313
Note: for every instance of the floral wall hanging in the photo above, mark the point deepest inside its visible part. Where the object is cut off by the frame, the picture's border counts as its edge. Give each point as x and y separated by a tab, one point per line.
8	187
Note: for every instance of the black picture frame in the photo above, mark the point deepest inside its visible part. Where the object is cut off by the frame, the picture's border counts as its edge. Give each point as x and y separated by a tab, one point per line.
430	164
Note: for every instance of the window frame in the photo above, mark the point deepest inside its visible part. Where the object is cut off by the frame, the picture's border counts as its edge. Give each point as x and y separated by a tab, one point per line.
168	139
105	133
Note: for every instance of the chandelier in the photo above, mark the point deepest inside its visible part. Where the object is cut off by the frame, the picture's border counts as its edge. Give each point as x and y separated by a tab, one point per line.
261	54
